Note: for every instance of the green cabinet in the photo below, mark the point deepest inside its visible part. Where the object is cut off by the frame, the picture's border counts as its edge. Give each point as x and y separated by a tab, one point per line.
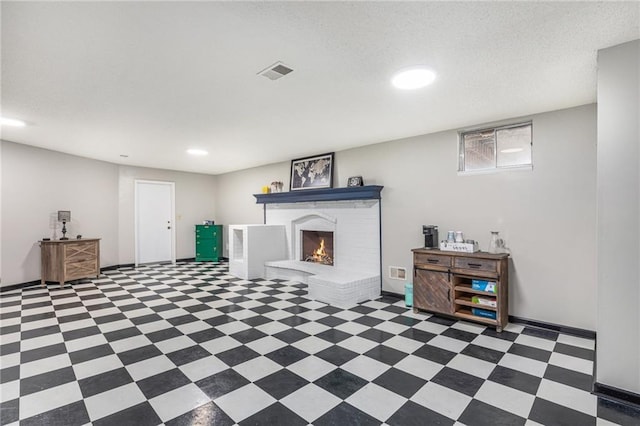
208	243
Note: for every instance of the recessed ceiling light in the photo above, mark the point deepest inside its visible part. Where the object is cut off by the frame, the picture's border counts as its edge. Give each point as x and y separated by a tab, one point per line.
510	150
413	78
11	122
195	151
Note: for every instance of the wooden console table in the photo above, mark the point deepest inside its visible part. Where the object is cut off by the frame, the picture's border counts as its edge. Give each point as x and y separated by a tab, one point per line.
66	260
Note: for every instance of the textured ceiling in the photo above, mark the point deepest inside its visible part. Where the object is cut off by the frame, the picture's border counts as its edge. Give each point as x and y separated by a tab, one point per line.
151	79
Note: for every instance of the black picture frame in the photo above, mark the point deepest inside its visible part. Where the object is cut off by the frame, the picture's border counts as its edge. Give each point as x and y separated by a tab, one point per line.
312	172
355	181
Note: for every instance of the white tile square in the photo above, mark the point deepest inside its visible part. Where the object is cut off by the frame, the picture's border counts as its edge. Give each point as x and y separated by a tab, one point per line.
85	342
39	342
577	341
469	327
535	342
441	400
40	402
311	368
220	344
347	315
203	367
430	327
96	366
129	343
523	364
383	315
150	327
10	390
32	325
313	304
178	401
312	344
568	396
448	343
365	367
273	327
419	367
506	398
492	343
115	325
471	365
376	401
277	314
257	368
312	327
232	327
76	325
114	400
41	365
243	314
572	363
352	328
193	327
175	344
266	344
403	344
312	315
310	402
150	367
358	344
244	402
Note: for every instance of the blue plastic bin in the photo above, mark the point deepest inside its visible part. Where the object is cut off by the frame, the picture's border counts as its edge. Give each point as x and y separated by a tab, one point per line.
408	294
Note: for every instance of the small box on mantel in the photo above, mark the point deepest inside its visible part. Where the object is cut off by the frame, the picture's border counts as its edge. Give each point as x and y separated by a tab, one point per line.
459	247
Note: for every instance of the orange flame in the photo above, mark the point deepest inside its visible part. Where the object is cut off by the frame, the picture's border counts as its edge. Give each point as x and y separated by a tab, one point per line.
320	253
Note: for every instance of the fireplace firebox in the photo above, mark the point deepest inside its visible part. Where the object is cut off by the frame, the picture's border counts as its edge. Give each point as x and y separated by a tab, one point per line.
317	247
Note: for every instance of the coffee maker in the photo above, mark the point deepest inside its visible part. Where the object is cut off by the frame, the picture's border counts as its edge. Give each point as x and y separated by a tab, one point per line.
430	236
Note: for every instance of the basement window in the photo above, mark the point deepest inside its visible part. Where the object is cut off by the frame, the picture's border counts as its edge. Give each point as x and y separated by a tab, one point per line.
497	148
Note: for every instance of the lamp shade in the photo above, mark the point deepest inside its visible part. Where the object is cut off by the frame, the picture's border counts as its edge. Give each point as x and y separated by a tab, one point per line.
64	216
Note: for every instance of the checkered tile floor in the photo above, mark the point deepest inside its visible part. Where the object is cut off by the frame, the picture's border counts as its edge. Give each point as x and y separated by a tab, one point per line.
189	344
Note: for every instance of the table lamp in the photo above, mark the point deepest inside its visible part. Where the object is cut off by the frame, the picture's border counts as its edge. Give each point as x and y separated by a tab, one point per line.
64	216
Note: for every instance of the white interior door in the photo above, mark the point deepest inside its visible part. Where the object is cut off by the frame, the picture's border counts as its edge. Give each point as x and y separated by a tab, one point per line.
154	216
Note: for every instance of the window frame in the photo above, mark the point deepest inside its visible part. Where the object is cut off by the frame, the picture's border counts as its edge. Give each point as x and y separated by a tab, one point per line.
462	152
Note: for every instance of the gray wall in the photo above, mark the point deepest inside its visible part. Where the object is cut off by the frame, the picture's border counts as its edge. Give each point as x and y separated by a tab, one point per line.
618	224
194	193
36	183
547	216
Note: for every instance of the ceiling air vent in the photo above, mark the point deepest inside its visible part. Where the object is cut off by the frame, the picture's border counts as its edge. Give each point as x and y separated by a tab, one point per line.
275	71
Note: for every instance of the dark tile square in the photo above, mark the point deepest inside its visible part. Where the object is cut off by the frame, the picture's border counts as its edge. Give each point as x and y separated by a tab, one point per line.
162	383
237	355
109	318
275	414
256	321
458	381
183	319
249	335
336	355
44	352
386	354
330	321
334	336
575	351
286	355
441	320
38	332
530	352
196	308
205	335
550	414
72	414
46	380
221	383
515	379
503	335
329	310
341	383
10	411
263	309
409	322
481	414
219	320
346	414
9	329
207	414
296	309
485	354
132	307
281	383
435	354
396	309
187	355
139	354
291	335
569	377
294	321
454	333
538	332
10	348
398	381
103	382
112	336
142	414
63	319
621	414
361	309
80	333
418	335
146	319
160	335
412	414
376	335
90	353
9	374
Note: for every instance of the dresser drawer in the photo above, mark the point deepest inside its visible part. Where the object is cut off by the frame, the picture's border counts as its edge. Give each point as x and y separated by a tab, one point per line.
431	259
206	231
75	270
80	251
476	264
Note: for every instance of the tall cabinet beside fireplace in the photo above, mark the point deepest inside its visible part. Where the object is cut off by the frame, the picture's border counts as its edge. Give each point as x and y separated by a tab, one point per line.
208	243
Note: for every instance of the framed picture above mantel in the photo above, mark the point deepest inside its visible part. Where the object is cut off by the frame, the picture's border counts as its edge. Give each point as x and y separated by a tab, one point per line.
312	172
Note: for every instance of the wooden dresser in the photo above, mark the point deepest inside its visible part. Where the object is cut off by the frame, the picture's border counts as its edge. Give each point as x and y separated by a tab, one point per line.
443	282
66	260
